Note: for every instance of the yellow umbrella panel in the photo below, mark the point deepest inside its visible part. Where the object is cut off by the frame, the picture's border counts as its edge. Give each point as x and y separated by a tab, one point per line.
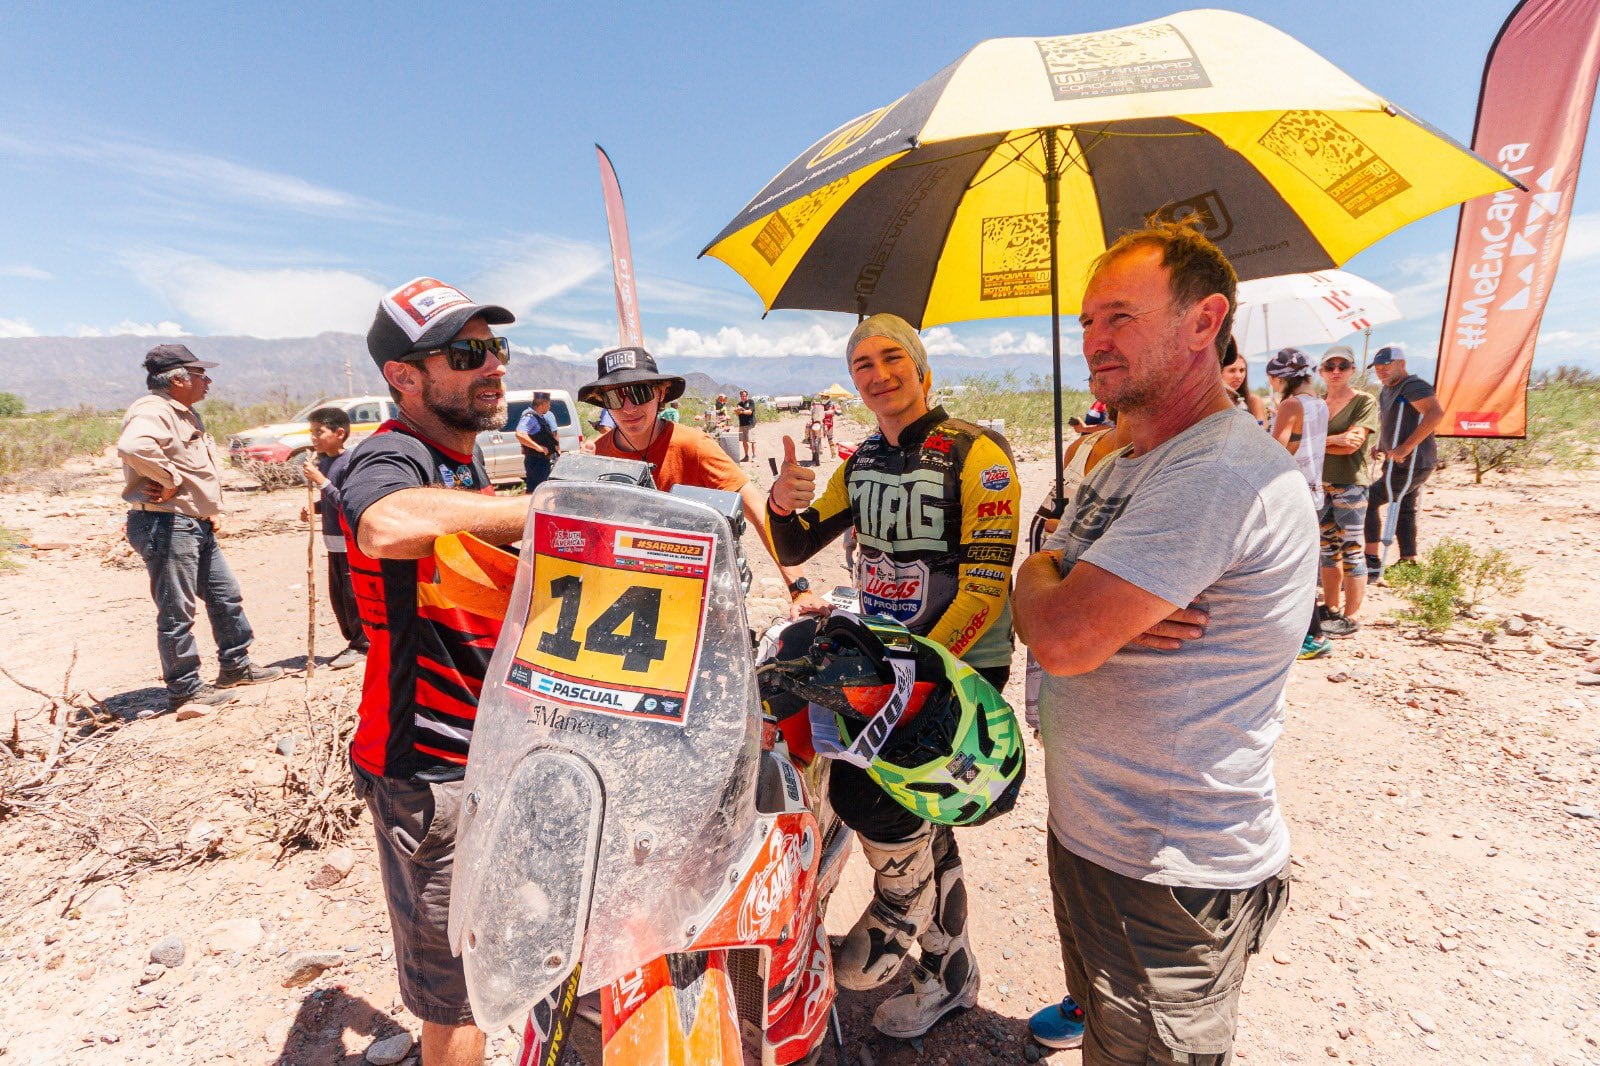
935	207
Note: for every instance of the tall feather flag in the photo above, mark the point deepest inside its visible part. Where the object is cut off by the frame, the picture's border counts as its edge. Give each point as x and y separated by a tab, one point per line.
630	333
1533	114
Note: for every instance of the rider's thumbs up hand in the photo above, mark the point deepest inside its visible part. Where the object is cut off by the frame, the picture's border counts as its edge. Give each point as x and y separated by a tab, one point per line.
796	486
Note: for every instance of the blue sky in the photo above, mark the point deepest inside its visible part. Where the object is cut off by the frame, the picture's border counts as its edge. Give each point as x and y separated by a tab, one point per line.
270	170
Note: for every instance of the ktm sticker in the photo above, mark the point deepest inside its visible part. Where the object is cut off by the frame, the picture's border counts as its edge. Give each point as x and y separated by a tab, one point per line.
616	617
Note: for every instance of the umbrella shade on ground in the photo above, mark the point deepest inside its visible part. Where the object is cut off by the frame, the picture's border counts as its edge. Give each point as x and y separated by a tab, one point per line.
1317	308
936	207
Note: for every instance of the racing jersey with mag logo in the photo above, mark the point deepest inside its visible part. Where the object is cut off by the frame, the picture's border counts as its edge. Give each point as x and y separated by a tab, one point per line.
936	532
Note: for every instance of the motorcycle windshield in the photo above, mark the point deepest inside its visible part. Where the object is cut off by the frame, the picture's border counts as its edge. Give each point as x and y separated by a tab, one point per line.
612	775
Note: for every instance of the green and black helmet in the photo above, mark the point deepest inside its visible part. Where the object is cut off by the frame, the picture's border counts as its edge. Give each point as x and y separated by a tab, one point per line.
953	754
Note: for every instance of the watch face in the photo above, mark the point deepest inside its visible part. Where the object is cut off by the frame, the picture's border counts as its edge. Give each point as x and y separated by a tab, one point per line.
800	585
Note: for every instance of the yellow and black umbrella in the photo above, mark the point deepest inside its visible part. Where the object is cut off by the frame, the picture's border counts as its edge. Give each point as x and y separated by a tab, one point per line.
988	190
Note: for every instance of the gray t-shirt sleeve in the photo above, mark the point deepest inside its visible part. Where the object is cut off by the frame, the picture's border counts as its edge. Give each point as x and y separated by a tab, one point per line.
1179	532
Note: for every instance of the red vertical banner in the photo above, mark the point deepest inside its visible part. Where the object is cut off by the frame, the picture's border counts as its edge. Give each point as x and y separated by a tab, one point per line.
629	331
1533	114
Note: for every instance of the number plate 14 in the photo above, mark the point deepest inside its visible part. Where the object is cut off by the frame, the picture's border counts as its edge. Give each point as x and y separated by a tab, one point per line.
615	618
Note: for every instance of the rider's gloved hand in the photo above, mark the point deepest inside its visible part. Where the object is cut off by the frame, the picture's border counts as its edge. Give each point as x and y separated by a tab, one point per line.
796	486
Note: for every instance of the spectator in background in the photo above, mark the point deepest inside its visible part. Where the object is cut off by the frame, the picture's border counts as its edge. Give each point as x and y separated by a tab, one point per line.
1409	414
1352	419
173	487
536	432
1236	376
1300	424
746	410
330	429
669	411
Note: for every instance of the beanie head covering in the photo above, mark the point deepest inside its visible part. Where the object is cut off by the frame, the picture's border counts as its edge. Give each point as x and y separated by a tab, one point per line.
895	328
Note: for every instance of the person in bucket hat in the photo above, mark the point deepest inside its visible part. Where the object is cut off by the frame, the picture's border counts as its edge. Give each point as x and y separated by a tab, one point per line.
632	390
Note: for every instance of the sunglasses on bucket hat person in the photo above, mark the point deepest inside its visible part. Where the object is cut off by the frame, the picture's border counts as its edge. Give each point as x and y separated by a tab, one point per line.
624	374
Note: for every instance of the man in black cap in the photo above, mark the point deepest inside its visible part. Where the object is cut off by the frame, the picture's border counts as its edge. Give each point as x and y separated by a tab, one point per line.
1409	412
632	390
173	487
419	477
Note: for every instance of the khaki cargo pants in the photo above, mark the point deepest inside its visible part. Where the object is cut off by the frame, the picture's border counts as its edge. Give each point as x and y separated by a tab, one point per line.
1156	969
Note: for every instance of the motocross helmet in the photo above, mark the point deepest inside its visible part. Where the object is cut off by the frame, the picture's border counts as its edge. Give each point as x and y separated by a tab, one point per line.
955	755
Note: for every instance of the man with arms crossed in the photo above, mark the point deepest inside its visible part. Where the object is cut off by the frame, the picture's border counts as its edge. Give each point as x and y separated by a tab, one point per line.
933	503
1167	848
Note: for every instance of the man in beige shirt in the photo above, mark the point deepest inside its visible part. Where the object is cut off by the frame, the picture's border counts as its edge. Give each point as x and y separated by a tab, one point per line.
173	487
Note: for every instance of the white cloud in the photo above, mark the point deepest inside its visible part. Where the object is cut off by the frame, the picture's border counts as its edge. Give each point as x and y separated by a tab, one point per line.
27	273
566	352
535	270
942	340
667	296
1030	343
734	342
127	328
279	302
206	175
16	327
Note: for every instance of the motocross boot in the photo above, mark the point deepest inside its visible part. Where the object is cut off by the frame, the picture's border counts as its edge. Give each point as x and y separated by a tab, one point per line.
902	904
946	978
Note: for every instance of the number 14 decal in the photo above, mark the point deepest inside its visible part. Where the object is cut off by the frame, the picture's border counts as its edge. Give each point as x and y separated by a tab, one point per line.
638	648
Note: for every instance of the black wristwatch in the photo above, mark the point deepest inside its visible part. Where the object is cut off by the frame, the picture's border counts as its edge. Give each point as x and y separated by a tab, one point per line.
799	586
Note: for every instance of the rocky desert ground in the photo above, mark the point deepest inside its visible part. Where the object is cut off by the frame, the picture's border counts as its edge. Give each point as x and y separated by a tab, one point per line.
1444	797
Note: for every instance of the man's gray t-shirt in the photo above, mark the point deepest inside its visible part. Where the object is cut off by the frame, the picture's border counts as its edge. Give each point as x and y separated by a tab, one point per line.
1159	764
1400	419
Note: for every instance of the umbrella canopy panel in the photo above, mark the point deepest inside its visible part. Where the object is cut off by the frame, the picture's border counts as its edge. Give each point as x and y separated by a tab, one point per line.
934	207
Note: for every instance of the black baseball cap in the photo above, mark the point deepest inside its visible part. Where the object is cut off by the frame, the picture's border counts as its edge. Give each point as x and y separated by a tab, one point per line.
424	313
165	357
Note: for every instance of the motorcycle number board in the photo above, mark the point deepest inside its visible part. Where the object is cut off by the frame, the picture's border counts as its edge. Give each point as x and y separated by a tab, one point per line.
615	617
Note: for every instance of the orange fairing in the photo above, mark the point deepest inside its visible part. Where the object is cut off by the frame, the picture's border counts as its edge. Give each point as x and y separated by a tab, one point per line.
473	575
643	1023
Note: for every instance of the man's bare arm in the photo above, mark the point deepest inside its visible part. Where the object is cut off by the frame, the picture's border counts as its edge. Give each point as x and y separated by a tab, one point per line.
1074	624
404	524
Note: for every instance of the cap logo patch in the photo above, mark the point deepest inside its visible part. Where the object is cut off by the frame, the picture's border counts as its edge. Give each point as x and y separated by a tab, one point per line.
622	359
420	302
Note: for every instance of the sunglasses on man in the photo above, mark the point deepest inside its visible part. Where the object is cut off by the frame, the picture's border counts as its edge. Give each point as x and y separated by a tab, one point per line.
637	393
468	354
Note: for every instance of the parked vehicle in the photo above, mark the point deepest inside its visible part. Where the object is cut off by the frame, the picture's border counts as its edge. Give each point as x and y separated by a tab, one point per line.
290	441
502	455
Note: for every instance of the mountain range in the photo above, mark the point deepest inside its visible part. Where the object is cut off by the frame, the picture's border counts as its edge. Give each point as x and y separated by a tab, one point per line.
105	372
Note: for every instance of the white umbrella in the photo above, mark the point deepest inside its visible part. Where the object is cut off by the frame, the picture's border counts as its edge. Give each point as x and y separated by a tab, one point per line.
1317	308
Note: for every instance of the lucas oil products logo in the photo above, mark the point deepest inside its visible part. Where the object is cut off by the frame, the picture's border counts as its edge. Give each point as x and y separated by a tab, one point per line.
897	590
995	478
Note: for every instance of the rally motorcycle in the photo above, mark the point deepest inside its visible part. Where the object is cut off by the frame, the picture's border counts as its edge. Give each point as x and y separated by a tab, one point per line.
624	827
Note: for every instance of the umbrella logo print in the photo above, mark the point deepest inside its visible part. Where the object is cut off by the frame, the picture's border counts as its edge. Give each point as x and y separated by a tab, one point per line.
1016	257
848	134
1138	59
1340	163
1207	208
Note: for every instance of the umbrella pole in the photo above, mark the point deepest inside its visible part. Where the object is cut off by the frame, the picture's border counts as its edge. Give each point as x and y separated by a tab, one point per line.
1052	200
1366	339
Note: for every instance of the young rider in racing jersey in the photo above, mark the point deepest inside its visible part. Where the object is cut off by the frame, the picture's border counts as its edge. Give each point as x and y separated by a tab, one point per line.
933	502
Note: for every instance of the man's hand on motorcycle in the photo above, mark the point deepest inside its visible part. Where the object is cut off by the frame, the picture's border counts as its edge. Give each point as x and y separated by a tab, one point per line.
796	486
1171	632
809	603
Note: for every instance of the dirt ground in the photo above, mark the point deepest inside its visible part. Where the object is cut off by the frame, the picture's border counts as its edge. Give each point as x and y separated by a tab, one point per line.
1442	800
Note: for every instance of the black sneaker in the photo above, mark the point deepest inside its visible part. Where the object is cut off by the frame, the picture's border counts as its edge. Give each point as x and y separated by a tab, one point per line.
205	695
248	674
1338	625
1374	570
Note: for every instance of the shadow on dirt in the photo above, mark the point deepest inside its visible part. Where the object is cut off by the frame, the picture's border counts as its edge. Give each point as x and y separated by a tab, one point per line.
316	1037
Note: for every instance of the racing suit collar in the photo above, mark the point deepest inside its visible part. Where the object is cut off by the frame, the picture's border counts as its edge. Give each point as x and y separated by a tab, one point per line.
914	434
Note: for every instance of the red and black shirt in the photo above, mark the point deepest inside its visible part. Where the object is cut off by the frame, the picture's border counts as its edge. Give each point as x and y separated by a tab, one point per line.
426	665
